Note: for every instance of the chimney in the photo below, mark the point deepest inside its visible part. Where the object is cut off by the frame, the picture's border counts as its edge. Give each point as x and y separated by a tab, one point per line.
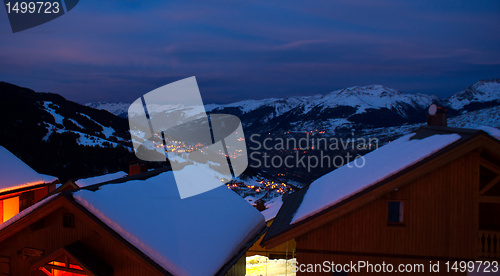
436	116
259	204
136	168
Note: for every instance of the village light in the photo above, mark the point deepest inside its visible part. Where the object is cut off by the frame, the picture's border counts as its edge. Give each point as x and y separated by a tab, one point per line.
199	137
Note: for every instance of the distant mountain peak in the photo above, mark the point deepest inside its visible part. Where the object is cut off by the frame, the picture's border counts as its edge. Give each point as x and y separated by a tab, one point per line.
370	105
483	91
120	109
373	89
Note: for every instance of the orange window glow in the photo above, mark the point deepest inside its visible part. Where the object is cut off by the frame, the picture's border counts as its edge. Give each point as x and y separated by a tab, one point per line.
10	207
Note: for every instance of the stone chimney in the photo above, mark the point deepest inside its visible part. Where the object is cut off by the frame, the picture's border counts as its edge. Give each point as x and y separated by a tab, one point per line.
436	116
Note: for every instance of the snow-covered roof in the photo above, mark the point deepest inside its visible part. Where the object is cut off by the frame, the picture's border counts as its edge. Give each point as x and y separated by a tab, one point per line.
192	236
493	132
15	174
84	182
272	208
378	165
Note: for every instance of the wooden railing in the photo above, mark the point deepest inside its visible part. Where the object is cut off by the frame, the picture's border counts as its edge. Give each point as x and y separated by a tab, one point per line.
489	244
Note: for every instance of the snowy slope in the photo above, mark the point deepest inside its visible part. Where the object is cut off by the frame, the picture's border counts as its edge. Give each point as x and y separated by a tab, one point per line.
92	134
359	97
473	119
336	108
480	92
119	109
60	137
372	106
341	108
332	106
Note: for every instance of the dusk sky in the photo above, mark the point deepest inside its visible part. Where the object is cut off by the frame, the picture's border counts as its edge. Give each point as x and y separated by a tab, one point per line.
118	50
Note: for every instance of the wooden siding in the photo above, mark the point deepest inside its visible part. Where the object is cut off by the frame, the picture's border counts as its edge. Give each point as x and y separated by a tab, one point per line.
239	268
53	236
440	222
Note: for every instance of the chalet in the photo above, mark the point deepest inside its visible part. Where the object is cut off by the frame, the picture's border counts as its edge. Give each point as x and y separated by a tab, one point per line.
20	185
285	250
136	225
428	197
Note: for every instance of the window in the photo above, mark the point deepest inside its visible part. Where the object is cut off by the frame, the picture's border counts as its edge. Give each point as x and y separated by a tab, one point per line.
10	207
395	212
71	260
69	221
61	268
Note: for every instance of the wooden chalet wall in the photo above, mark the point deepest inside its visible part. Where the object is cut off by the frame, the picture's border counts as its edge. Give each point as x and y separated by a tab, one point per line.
50	235
441	220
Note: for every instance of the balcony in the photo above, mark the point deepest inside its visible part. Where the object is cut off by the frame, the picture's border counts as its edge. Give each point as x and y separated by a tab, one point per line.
489	244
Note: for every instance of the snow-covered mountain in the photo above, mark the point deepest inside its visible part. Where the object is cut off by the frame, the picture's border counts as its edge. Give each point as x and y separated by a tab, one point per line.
59	137
361	98
119	109
372	106
481	94
90	131
358	107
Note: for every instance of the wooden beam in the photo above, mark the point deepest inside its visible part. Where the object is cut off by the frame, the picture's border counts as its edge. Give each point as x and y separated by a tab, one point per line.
48	266
490	165
490	185
489	199
44	270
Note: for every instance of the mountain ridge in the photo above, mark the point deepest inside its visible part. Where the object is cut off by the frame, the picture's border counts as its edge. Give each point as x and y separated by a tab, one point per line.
59	137
371	105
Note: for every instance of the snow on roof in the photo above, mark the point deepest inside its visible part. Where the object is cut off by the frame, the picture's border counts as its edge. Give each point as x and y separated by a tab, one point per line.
379	164
273	206
15	174
192	236
25	212
84	182
494	132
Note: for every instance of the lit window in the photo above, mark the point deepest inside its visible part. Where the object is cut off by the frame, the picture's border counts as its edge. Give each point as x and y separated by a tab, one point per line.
10	207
